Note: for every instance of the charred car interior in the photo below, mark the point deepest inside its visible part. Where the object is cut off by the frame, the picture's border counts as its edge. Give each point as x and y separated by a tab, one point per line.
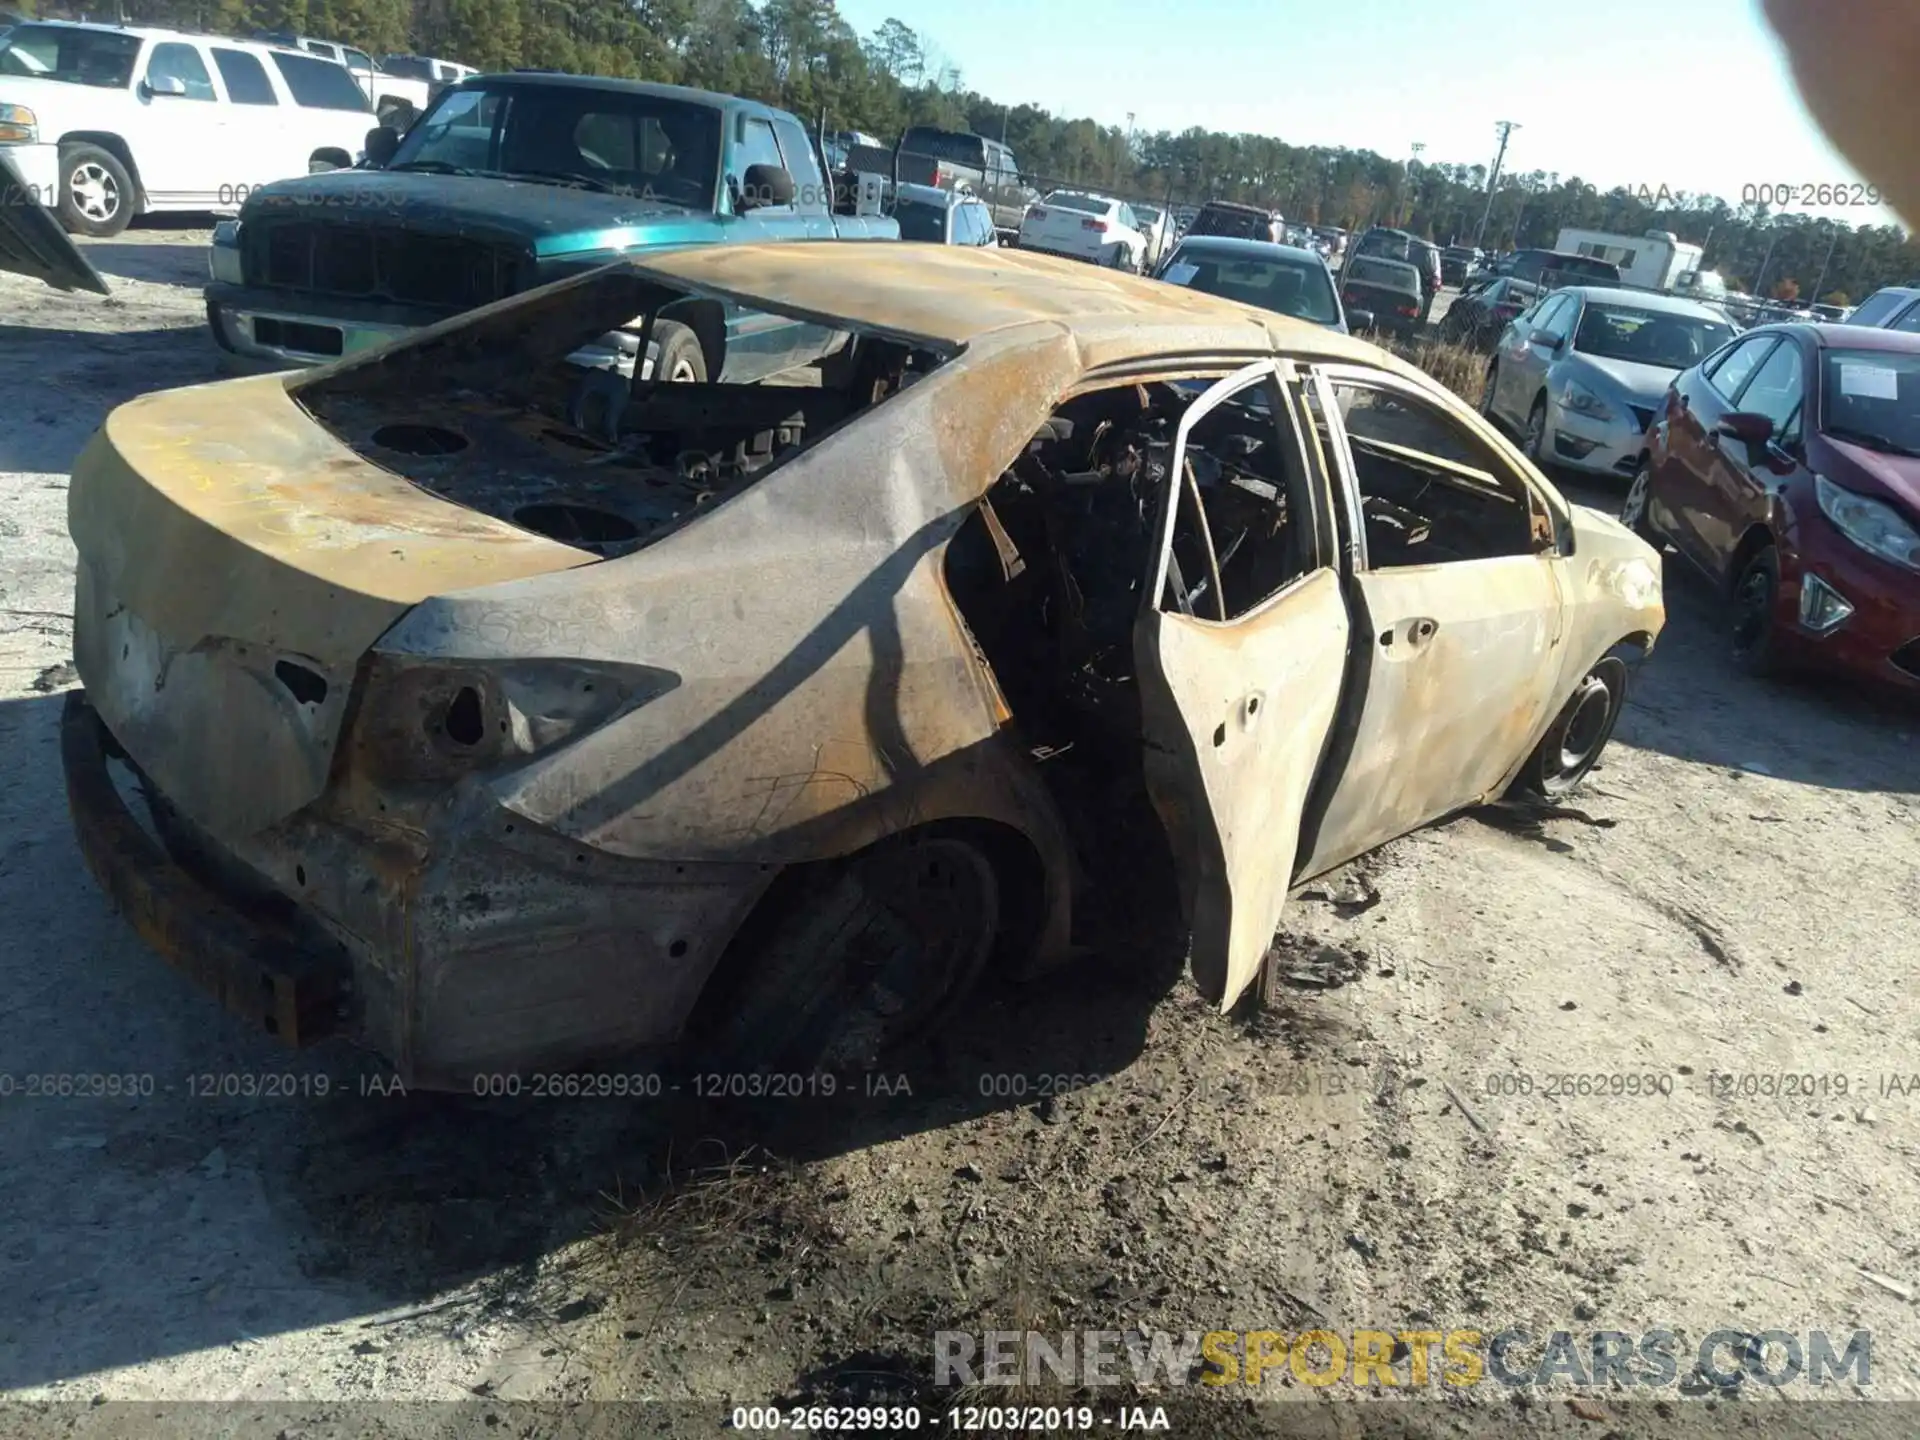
1051	570
593	458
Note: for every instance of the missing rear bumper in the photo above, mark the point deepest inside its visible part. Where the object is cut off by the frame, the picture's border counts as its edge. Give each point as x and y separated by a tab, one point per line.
260	972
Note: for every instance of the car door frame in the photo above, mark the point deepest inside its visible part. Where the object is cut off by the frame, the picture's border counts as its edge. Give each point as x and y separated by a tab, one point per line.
1521	326
1407	616
1742	480
1229	779
181	189
1531	362
1685	484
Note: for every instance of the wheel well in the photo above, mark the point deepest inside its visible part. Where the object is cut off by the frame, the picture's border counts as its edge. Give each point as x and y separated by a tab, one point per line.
1016	865
708	323
332	155
116	147
1639	643
1757	538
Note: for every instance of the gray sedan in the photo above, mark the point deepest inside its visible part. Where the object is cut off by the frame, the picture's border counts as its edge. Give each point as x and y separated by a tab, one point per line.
1583	372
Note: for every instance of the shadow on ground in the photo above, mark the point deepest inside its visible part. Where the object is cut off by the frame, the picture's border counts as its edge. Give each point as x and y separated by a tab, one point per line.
78	376
242	1190
160	264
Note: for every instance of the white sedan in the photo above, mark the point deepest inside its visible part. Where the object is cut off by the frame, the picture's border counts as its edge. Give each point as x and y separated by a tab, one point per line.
1079	226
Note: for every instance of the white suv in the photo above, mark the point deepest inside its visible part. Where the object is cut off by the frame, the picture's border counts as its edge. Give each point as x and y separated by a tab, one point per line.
105	122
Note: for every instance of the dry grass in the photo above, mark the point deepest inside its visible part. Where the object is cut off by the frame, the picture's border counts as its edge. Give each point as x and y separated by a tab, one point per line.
1460	368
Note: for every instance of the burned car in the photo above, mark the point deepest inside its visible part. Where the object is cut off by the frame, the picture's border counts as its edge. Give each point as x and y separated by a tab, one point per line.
497	719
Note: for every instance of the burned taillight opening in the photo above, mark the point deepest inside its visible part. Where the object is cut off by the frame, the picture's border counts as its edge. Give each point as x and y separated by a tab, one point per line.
465	723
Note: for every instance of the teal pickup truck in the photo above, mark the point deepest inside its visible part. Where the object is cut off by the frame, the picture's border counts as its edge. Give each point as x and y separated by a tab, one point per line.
511	181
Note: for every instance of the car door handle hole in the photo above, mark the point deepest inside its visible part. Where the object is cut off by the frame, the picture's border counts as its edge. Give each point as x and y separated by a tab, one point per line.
1220	734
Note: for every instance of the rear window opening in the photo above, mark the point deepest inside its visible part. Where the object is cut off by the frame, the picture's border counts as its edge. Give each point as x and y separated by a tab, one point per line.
535	416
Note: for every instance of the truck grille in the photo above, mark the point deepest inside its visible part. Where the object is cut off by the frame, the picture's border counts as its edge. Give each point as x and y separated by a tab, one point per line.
373	262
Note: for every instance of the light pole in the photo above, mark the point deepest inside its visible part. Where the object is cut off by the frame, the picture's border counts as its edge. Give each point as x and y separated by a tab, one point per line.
1832	240
1128	155
1506	128
1417	147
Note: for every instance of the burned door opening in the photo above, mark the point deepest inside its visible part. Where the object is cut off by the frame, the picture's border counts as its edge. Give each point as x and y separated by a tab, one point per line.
1052	575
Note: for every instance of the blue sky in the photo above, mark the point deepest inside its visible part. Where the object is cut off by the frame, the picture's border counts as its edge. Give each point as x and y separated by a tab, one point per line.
1690	94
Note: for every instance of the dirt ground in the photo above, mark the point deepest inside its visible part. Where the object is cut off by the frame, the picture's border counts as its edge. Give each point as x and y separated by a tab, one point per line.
1736	895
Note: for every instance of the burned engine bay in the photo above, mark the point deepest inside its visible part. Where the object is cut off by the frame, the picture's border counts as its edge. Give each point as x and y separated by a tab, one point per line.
591	458
1049	572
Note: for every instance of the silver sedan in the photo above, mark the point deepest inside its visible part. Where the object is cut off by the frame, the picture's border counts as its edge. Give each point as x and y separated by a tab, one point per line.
1583	372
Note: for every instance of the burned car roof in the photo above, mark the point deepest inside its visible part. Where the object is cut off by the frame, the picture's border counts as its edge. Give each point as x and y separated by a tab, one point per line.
956	296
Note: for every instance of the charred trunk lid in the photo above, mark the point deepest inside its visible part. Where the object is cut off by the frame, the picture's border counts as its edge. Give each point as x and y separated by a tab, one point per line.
235	563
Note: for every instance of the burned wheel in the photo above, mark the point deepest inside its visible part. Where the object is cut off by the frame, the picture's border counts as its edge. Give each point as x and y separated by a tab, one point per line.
866	960
1572	745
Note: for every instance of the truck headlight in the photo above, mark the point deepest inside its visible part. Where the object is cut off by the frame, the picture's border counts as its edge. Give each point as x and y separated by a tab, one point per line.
1874	526
18	125
1583	401
223	253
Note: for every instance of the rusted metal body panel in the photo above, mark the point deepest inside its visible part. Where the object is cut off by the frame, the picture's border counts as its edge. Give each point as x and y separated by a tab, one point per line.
221	534
278	631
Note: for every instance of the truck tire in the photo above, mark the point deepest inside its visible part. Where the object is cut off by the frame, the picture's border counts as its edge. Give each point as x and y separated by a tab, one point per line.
96	193
679	357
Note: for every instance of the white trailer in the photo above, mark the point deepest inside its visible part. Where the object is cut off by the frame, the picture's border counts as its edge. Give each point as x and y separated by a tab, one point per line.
1653	261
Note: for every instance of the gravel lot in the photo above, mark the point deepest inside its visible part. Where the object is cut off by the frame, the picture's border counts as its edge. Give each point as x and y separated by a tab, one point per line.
1736	894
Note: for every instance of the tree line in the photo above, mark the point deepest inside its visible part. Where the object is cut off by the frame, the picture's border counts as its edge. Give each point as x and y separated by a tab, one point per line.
804	56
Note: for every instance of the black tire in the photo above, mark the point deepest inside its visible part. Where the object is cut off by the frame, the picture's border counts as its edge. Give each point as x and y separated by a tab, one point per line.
870	956
1486	391
96	194
1534	440
1573	742
1636	509
680	356
1754	625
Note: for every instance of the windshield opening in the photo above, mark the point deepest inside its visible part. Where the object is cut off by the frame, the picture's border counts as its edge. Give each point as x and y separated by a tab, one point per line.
1281	286
1872	398
78	57
642	145
1649	337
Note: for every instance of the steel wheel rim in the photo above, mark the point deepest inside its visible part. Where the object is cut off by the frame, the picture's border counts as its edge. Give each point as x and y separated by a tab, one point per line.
906	959
94	192
682	372
1586	726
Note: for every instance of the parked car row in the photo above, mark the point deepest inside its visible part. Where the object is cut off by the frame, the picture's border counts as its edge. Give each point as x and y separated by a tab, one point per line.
1782	462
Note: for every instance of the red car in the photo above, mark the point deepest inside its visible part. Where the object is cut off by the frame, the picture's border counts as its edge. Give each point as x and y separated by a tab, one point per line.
1787	466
